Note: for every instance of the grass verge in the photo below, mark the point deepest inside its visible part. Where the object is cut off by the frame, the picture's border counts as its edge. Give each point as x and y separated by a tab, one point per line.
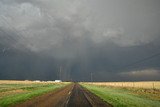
28	93
121	97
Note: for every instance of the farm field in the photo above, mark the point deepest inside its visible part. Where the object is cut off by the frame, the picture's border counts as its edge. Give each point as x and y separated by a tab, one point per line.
143	84
13	92
123	96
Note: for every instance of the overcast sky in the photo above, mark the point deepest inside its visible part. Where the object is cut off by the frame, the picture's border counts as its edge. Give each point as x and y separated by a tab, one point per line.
116	40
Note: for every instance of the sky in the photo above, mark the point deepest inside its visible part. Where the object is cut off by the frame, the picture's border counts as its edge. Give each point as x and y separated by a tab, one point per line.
114	40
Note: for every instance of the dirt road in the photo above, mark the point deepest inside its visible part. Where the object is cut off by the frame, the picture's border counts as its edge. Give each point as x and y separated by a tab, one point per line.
77	98
81	97
72	95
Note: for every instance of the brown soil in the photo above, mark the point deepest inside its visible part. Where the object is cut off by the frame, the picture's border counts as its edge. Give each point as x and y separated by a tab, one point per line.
56	98
72	95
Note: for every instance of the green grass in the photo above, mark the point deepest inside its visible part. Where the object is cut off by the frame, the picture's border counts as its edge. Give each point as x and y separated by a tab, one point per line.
30	91
122	97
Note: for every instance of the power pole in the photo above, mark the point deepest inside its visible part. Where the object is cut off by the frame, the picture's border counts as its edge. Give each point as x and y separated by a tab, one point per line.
60	71
91	77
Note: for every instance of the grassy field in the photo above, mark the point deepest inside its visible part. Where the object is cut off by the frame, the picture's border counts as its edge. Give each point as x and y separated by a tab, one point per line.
126	96
13	92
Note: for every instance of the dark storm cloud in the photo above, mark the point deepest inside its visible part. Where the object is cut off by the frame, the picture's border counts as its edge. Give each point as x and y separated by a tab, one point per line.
40	37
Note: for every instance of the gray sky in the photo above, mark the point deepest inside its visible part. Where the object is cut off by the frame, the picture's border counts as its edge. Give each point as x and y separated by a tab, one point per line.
38	37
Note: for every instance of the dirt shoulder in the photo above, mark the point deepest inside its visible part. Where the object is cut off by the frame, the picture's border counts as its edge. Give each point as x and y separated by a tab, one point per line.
94	99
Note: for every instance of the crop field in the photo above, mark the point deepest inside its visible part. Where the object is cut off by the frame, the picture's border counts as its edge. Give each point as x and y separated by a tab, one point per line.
146	85
142	95
13	92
